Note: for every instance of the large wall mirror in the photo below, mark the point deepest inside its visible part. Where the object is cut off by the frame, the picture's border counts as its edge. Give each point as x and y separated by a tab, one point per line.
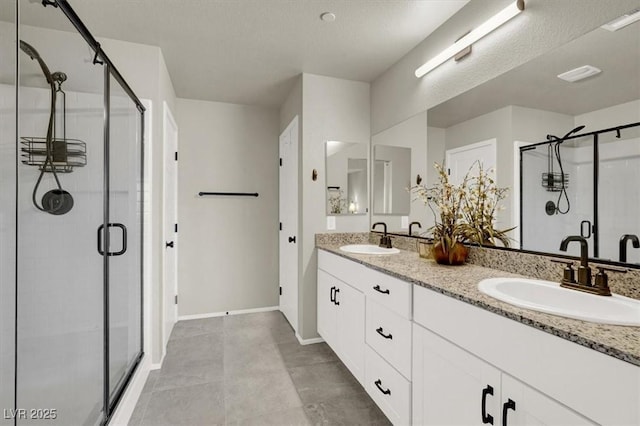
586	185
347	165
391	178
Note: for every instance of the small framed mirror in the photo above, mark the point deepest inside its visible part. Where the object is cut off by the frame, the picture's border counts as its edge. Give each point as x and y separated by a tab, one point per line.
391	178
347	173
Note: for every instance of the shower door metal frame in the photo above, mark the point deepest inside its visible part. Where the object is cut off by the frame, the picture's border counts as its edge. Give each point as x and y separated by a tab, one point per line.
111	400
596	174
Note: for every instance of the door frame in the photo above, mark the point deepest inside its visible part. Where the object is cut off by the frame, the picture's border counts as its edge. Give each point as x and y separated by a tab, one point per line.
168	125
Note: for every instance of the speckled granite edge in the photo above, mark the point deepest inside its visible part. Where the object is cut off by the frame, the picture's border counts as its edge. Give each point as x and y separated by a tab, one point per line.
620	342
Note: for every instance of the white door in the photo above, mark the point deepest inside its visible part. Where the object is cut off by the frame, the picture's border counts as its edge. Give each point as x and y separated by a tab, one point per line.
460	160
170	242
327	308
451	386
289	236
350	328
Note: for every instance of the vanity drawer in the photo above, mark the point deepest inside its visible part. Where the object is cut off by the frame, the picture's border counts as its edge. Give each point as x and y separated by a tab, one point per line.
387	387
390	292
390	336
348	271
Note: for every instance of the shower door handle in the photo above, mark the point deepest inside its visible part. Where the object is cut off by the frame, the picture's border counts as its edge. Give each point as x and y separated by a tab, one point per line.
587	234
124	239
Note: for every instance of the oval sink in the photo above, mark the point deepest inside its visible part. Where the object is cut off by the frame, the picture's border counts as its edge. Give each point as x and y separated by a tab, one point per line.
368	249
549	297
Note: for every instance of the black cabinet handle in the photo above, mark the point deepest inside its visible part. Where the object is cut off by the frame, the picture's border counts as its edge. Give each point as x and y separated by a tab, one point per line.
292	239
510	404
378	384
335	296
379	290
381	332
486	418
332	294
169	244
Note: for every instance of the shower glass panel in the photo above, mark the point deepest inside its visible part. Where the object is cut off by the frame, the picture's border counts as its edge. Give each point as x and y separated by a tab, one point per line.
60	282
557	195
619	209
8	31
125	185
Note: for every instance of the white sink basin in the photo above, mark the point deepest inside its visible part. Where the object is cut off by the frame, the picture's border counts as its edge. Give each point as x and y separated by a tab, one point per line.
549	297
368	249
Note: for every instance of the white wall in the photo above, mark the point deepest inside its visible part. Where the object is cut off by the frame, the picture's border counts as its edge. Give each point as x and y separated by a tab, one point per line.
333	109
397	94
228	245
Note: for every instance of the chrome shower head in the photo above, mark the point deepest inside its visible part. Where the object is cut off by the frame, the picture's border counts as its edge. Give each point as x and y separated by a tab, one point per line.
33	54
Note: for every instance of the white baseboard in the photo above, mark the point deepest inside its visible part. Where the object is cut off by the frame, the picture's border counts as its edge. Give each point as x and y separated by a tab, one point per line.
127	404
309	341
225	313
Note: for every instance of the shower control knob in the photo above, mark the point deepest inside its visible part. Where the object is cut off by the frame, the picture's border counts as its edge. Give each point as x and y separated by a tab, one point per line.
169	244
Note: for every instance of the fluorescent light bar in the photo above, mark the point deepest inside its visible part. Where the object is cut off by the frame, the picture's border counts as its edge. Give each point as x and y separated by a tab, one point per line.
623	21
491	24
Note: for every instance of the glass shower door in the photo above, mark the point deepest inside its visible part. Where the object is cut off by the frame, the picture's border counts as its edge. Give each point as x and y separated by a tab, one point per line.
124	270
60	323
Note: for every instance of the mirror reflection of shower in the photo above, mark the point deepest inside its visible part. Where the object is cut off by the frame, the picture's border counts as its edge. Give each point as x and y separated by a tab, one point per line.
53	153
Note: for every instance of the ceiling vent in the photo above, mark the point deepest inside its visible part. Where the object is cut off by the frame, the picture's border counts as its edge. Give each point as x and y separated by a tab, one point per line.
579	73
621	22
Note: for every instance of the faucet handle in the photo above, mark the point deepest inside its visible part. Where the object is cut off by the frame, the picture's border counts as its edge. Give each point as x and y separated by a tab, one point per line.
568	274
611	269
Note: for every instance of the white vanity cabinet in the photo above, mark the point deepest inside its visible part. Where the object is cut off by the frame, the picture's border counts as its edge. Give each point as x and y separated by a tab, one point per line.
453	387
341	316
469	364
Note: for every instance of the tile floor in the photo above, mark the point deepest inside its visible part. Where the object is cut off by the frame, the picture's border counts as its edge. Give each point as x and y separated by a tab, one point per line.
251	370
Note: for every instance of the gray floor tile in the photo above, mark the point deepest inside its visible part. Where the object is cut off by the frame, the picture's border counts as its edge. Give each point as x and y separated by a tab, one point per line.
151	381
141	407
197	327
190	405
324	382
246	360
296	355
356	409
259	395
283	334
291	417
205	346
263	320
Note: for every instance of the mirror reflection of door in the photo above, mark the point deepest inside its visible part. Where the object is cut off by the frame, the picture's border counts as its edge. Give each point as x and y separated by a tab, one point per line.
391	180
347	177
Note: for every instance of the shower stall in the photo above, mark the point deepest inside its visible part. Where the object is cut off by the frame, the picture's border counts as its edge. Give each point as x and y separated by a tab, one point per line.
583	184
71	141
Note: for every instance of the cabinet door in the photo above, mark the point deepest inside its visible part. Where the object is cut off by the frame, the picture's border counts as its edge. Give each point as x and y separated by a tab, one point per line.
451	386
350	329
522	405
326	308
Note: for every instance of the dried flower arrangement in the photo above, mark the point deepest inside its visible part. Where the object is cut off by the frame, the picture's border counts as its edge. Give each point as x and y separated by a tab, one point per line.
463	213
337	203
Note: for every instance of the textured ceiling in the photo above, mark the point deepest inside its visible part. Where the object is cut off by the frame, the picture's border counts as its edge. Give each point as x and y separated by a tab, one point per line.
249	51
535	85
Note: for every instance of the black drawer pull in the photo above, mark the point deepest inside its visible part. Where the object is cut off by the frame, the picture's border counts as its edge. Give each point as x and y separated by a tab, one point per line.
381	332
510	404
486	418
377	288
332	295
378	384
335	296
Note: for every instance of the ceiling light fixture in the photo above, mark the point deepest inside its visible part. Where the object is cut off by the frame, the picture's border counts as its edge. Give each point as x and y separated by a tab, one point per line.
328	17
623	21
579	73
494	22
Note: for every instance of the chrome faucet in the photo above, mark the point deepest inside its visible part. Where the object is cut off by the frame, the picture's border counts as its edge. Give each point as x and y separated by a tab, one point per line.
418	224
385	240
623	245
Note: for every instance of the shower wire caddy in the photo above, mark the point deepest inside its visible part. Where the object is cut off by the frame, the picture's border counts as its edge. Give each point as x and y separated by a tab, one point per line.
553	181
65	154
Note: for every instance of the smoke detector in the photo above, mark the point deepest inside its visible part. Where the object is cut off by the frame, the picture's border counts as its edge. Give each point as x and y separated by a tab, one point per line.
624	20
579	73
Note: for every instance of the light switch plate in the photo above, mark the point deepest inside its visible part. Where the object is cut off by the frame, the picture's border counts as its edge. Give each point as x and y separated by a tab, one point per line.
331	223
404	222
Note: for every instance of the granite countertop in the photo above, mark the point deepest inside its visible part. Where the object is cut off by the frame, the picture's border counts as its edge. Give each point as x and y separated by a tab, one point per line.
460	282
